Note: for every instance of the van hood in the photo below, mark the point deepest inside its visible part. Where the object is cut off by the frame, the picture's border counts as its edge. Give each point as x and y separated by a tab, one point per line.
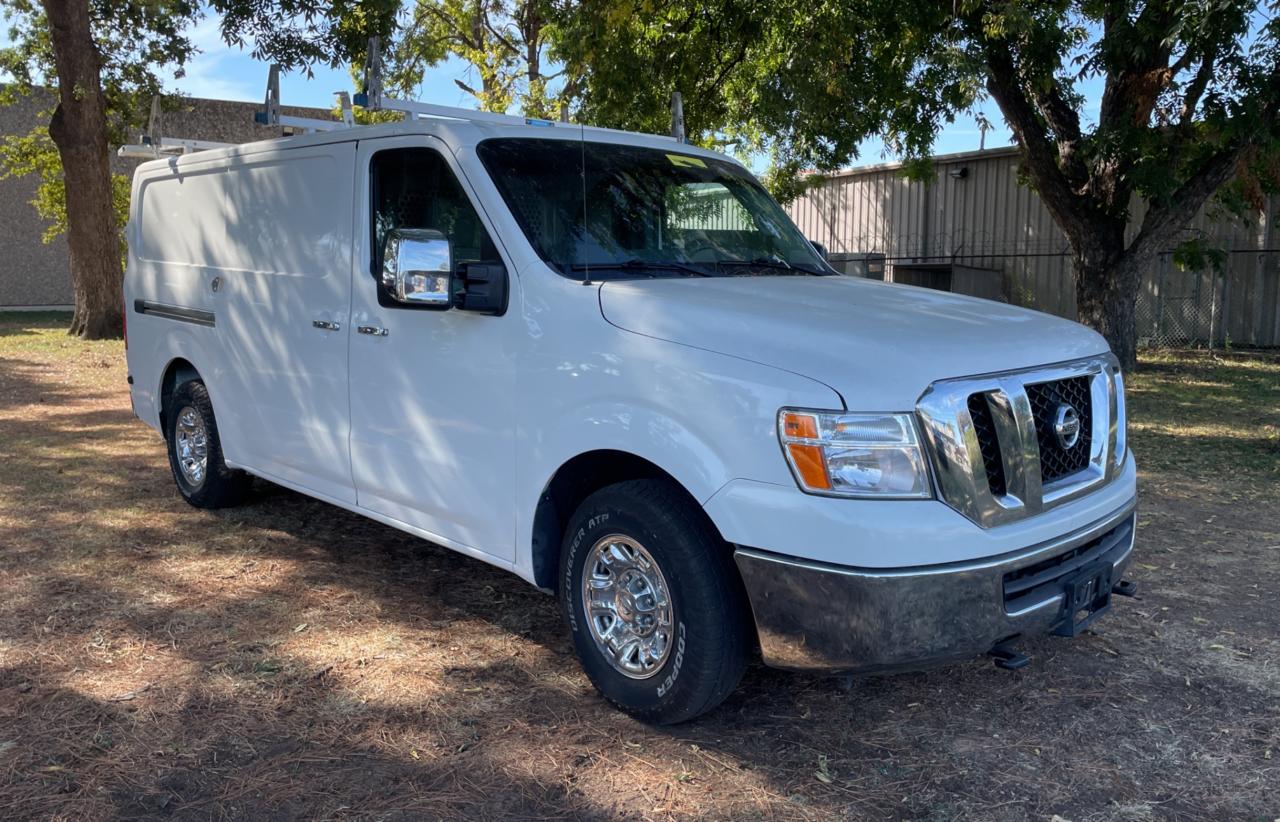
879	345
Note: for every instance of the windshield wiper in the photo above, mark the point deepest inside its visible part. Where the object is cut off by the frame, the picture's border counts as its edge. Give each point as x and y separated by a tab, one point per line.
766	262
640	266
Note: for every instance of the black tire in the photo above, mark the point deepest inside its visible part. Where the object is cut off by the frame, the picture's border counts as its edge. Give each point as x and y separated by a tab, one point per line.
709	629
220	486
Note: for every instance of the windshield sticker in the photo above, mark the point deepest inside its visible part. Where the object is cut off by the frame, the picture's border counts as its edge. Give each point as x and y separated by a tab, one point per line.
685	161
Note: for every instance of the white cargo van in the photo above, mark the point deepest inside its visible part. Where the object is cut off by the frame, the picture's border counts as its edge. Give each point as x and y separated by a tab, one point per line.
609	363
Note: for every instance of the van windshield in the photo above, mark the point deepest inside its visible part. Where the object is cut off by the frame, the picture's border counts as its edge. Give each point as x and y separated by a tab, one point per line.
648	212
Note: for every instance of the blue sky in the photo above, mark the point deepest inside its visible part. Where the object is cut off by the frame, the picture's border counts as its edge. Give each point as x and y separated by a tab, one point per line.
222	72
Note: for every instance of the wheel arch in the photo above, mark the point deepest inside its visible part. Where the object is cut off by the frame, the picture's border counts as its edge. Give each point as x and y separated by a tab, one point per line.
573	482
178	371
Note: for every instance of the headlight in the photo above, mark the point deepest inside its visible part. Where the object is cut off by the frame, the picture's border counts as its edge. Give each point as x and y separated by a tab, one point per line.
854	455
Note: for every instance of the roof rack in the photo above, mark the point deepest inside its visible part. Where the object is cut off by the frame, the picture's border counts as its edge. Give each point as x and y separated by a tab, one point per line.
151	148
271	116
151	145
369	98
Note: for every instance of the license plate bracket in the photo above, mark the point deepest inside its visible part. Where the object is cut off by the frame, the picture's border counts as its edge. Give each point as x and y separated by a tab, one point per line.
1087	596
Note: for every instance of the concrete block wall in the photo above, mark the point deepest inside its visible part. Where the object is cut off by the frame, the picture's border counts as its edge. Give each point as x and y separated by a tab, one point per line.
36	274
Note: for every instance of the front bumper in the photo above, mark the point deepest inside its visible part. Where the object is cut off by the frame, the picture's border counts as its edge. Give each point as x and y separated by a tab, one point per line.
814	616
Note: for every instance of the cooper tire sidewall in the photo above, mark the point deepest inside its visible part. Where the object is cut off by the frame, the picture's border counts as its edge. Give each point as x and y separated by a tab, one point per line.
664	688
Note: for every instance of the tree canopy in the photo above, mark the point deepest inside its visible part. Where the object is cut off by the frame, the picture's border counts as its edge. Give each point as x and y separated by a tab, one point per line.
1189	91
135	40
505	42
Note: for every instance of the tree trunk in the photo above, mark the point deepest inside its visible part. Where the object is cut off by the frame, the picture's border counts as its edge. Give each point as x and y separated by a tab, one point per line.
79	130
1107	280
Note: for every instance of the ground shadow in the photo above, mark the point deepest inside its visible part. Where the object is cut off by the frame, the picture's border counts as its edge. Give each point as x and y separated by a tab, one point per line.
287	659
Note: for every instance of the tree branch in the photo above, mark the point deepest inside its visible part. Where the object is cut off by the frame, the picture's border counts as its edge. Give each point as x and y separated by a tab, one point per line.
1130	93
1194	92
1065	122
1163	221
500	37
1062	201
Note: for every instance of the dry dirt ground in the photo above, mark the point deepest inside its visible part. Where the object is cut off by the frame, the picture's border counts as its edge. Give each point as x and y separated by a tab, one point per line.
288	660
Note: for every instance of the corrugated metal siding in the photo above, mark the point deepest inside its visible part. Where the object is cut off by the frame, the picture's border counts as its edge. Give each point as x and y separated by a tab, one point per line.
986	219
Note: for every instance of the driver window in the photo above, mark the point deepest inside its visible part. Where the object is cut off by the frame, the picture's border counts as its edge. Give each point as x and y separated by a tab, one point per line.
414	188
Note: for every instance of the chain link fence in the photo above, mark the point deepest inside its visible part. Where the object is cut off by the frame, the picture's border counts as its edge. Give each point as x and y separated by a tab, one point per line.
1236	303
1180	309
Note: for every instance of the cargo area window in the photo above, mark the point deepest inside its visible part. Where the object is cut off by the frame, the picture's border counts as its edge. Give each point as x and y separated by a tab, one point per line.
414	188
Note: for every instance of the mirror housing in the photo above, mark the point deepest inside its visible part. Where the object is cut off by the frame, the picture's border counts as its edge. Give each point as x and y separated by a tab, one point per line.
820	248
484	288
417	268
418	271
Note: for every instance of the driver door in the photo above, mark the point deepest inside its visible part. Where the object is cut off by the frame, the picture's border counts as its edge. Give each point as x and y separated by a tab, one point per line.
432	391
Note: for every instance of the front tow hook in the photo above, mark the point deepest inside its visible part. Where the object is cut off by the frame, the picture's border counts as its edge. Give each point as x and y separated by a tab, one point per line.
1008	658
1125	588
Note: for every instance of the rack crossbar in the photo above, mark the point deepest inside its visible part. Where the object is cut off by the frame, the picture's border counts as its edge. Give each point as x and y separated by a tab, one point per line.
167	147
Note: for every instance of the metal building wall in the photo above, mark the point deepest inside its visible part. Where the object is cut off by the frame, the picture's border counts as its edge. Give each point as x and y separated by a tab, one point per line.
984	219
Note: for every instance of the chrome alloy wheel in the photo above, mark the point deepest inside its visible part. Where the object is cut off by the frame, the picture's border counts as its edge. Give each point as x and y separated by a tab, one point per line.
191	443
628	606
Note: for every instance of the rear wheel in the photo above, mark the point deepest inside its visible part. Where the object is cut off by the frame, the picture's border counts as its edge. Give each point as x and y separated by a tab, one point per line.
195	451
653	602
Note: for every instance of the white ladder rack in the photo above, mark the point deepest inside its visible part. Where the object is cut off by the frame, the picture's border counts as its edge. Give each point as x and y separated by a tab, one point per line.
152	146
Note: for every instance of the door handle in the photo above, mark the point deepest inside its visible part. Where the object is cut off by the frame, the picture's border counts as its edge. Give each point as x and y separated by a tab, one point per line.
372	330
325	325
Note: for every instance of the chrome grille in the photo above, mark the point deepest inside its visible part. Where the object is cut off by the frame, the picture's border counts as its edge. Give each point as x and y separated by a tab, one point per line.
993	445
1046	398
985	428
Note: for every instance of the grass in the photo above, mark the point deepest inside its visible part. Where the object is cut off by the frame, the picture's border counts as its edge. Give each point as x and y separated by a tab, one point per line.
289	660
1205	416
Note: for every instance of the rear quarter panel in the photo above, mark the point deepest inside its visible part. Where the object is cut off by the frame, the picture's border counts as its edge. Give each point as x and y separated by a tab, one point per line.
175	223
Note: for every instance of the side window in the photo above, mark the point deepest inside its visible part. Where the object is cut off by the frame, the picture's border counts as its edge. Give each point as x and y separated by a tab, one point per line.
414	188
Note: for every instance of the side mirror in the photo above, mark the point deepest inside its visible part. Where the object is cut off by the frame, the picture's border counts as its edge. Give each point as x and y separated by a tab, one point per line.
417	267
820	248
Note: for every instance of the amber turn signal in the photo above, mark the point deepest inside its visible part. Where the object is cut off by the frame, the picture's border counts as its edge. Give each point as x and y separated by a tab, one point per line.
810	465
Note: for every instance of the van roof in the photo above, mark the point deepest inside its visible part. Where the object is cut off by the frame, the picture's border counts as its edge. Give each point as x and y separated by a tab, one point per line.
457	133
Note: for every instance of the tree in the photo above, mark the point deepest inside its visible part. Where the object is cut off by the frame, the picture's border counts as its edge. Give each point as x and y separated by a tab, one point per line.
303	33
99	59
1189	95
503	40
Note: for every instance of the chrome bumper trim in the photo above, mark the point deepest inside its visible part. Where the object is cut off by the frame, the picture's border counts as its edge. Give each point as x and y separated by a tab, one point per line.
818	617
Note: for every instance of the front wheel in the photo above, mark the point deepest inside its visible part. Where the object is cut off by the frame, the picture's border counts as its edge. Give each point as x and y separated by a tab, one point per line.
653	602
